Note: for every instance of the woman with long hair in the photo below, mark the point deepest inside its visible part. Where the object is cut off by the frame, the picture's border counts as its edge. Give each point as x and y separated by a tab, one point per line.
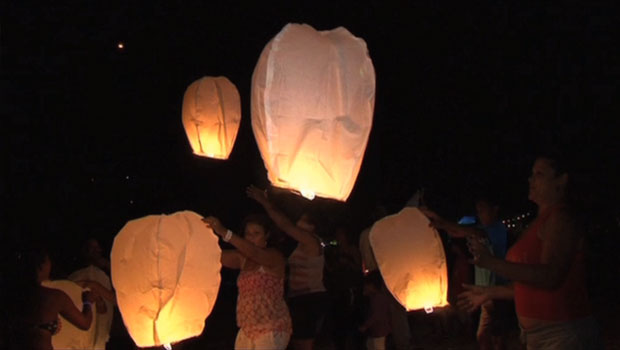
37	308
546	266
307	296
262	314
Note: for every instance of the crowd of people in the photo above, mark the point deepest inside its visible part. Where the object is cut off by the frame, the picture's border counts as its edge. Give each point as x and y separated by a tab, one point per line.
286	299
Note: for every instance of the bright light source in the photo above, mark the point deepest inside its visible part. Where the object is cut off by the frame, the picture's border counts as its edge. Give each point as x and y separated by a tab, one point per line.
121	45
308	194
168	346
428	309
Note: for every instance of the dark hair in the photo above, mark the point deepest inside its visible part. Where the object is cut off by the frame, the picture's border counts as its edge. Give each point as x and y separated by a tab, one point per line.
259	219
28	261
577	197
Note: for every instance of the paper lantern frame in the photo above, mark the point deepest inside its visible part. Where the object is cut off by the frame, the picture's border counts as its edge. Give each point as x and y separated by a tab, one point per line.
166	273
313	99
412	260
211	116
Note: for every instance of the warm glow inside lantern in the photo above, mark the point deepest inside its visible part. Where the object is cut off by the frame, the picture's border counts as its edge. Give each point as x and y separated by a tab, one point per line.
313	99
411	259
166	272
211	116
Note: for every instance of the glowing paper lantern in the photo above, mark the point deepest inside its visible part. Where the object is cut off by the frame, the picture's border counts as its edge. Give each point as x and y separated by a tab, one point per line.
166	272
411	259
211	116
313	96
71	337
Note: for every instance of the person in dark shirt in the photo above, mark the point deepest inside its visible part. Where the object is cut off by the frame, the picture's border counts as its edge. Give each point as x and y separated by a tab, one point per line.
377	324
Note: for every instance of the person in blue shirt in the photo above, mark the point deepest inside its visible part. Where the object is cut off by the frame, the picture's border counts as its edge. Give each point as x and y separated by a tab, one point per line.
494	319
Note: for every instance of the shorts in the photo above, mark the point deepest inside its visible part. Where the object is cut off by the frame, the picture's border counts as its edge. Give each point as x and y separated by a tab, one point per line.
307	314
569	335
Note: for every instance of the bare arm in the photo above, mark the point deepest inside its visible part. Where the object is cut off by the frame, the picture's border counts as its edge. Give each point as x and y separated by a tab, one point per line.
267	257
308	241
453	229
99	290
81	320
231	259
560	241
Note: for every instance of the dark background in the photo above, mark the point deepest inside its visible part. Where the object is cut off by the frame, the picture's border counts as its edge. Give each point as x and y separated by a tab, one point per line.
467	93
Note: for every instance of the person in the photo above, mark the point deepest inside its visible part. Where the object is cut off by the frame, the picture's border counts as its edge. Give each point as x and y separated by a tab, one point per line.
343	281
399	321
262	314
94	277
307	297
493	320
377	323
37	319
546	266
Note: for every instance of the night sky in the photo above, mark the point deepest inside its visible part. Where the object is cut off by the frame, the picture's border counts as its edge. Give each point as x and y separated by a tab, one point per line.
466	96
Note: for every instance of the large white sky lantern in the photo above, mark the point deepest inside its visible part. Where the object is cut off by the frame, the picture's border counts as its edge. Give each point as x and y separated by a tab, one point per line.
166	272
411	259
313	96
211	116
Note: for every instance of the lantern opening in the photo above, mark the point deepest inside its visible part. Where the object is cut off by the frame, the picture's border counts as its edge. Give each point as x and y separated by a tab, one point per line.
428	309
308	194
168	346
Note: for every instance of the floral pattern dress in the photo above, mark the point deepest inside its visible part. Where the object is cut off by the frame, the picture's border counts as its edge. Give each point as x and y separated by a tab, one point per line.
260	306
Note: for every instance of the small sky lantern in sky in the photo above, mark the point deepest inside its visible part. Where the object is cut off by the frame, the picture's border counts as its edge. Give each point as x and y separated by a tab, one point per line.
313	96
411	259
211	116
120	45
166	273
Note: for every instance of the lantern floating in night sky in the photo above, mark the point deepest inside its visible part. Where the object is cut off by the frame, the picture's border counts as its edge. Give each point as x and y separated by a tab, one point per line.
313	95
411	259
211	116
166	272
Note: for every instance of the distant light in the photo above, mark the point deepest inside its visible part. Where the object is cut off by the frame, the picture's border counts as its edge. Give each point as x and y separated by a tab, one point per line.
131	201
92	179
121	45
127	177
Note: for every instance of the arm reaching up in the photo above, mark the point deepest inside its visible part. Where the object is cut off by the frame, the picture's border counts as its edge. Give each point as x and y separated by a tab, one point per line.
307	240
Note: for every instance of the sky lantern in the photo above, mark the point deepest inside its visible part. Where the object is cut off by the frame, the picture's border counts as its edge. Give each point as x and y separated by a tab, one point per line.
166	273
313	96
211	116
411	259
69	336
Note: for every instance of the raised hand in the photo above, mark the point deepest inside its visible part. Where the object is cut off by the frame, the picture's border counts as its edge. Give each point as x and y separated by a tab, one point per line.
215	224
257	194
436	221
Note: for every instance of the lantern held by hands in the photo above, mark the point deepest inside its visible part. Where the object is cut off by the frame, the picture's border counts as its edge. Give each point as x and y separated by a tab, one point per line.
166	272
411	259
211	116
70	336
313	96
